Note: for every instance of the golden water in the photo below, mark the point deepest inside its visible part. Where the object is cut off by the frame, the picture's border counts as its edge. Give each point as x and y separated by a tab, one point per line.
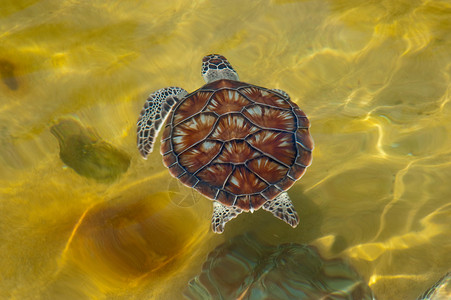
373	76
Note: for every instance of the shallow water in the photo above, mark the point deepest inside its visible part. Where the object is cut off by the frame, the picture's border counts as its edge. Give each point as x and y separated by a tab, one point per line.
373	77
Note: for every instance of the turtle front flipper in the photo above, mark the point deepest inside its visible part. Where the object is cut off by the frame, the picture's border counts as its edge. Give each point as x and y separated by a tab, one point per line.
221	215
283	93
282	207
153	115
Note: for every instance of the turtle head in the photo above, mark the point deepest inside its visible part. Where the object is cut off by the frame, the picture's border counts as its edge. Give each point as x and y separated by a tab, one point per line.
216	67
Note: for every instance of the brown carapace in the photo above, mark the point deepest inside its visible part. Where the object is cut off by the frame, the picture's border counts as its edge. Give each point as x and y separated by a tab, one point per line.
237	143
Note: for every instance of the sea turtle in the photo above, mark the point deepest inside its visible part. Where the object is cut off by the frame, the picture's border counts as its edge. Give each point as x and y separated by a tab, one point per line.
240	145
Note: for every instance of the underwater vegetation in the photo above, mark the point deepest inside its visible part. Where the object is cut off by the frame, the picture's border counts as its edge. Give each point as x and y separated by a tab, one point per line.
245	268
83	151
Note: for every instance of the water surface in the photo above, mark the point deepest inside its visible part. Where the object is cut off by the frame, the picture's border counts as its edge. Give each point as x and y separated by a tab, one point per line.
373	77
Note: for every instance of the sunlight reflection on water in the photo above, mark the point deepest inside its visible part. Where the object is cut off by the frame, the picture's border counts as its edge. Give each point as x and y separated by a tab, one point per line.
373	77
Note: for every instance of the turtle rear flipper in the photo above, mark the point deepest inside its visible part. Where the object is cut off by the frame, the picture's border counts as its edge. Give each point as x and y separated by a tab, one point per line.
221	215
282	207
153	115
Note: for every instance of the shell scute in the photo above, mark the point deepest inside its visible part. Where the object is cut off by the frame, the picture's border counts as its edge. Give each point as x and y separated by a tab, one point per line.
200	155
236	152
192	131
304	139
279	145
257	200
165	147
215	174
191	106
232	126
169	159
286	183
304	157
176	170
267	169
270	118
271	192
264	96
188	179
243	201
226	198
226	101
303	122
166	133
206	189
296	171
243	181
254	201
223	83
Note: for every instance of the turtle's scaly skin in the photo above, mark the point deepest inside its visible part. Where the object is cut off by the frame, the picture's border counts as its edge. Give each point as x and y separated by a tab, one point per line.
237	143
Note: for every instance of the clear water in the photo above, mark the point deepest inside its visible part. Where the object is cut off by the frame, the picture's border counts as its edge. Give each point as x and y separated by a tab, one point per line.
373	77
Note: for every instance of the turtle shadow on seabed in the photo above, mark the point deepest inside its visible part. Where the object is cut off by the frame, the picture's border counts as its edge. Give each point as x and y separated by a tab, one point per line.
264	226
135	238
246	268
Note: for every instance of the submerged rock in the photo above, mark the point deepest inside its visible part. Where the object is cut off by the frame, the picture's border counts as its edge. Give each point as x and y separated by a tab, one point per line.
244	268
7	70
83	151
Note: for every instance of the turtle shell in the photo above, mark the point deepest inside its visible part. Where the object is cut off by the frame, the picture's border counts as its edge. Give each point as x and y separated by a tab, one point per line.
237	143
